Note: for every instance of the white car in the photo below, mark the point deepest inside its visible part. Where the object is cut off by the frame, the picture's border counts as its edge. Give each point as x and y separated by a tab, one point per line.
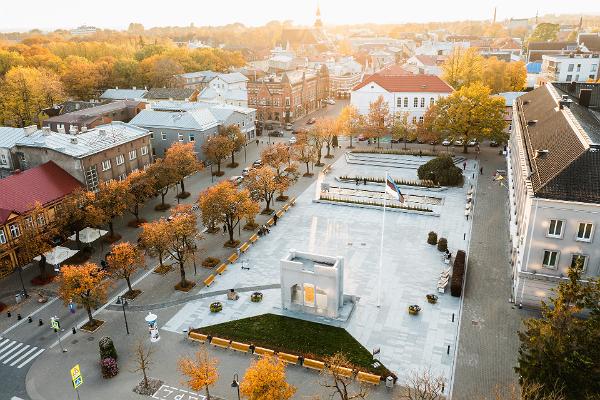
246	171
330	101
446	142
236	180
472	143
292	140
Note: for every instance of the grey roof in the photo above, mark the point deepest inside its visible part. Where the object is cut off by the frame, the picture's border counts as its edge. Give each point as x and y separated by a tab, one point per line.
9	136
206	75
197	119
95	140
233	94
170	93
510	97
85	114
233	77
123	94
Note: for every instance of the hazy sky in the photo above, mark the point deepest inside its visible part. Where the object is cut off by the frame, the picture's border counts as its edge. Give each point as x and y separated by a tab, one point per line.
44	14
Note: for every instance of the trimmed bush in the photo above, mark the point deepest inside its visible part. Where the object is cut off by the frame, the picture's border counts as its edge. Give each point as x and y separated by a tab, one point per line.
216	307
414	309
442	171
256	297
442	244
432	238
458	273
109	367
107	348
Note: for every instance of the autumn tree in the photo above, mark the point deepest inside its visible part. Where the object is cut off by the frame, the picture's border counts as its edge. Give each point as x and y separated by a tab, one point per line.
200	372
142	187
544	32
265	379
350	122
159	70
304	152
470	113
155	239
216	149
143	360
316	137
81	78
422	385
182	233
123	261
401	127
182	159
463	67
378	118
85	285
236	138
426	131
112	199
262	184
279	157
35	239
76	212
341	385
163	177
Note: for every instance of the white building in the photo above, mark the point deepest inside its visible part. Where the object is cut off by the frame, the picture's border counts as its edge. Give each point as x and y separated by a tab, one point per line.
84	30
344	74
413	94
8	139
228	89
554	187
435	48
570	68
425	64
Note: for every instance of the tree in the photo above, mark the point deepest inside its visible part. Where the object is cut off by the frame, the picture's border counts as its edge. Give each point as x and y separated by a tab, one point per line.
163	177
544	32
516	76
350	122
35	239
463	67
279	157
378	118
155	240
265	379
262	184
76	212
423	386
401	127
123	261
470	113
303	151
237	139
560	349
182	159
143	359
84	285
201	371
8	60
216	149
112	199
317	137
159	70
340	385
442	171
142	187
182	232
81	78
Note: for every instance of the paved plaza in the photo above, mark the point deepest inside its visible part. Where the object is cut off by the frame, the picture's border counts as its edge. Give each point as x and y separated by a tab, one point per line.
411	267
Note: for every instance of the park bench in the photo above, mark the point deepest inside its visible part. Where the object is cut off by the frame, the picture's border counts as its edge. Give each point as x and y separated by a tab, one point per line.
224	343
293	201
233	258
288	358
244	247
261	351
197	337
313	364
209	280
279	213
254	238
343	371
241	347
286	207
368	378
270	222
221	268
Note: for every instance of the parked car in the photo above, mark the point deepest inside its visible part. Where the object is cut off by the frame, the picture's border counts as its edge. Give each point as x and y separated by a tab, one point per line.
330	101
292	140
236	180
257	163
493	143
420	140
397	140
459	142
446	142
361	138
472	143
434	142
246	171
268	127
311	121
298	131
288	127
276	134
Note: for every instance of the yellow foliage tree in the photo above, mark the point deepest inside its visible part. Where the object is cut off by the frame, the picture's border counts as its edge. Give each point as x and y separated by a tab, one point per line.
304	152
350	122
183	160
181	233
237	139
83	284
200	372
265	379
142	187
216	149
378	118
123	260
112	199
262	184
155	239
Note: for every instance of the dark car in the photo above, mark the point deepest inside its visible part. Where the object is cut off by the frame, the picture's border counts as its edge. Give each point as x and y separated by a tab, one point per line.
420	140
276	134
298	131
311	121
434	142
257	163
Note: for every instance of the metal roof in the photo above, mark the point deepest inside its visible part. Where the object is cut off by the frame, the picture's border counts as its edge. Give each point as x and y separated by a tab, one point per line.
195	119
9	136
123	94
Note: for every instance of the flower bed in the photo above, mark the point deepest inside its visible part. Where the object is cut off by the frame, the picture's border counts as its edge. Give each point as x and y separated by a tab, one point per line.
210	262
432	298
372	203
216	307
405	182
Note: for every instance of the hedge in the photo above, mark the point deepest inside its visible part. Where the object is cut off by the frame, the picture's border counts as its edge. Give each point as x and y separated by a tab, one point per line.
399	152
458	273
404	182
442	171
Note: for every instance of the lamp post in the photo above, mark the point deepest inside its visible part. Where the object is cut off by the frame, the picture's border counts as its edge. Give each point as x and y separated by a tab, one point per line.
20	269
236	384
212	176
123	302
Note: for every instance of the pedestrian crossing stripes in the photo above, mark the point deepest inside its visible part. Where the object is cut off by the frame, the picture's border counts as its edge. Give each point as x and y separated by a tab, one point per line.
17	354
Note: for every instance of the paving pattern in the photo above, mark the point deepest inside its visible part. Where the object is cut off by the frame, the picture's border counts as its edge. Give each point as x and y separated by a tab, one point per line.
15	354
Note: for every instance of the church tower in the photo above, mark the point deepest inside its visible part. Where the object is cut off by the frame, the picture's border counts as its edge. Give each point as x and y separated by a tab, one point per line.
318	23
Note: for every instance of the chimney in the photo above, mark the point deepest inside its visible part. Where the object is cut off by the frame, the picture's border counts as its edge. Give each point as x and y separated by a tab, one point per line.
134	88
585	97
30	129
565	101
84	128
46	131
73	140
73	130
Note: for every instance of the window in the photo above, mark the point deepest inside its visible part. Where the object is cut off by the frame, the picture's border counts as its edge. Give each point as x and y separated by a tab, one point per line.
569	78
41	219
122	177
584	232
579	258
163	136
132	155
570	68
416	102
3	159
406	102
421	119
105	165
15	231
550	259
578	67
594	67
431	101
180	137
422	102
555	228
2	236
399	102
28	222
144	150
414	120
192	137
287	101
151	135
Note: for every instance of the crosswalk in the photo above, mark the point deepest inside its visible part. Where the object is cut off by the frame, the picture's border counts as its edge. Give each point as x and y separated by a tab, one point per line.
17	354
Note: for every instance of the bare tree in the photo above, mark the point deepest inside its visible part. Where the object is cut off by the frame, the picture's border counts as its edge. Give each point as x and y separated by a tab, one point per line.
422	385
341	385
143	360
527	391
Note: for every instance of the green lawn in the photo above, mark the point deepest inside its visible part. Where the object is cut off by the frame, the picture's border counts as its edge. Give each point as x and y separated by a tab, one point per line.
296	336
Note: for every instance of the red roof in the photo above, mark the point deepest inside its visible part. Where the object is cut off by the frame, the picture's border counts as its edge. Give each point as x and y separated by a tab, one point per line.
407	83
429	60
394	70
44	184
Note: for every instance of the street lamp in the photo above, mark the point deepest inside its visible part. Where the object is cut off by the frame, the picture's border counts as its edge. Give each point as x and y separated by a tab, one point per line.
20	269
212	176
123	302
236	384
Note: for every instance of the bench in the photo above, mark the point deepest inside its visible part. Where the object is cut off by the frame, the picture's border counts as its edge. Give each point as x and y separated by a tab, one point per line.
293	201
224	343
197	337
209	280
261	351
270	222
241	347
244	247
343	371
233	258
279	213
368	378
286	207
313	364
288	358
221	268
254	238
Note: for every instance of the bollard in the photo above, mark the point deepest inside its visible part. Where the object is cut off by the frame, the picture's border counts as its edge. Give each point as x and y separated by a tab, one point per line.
452	317
448	350
74	331
443	386
40	323
19	317
8	314
464	236
29	319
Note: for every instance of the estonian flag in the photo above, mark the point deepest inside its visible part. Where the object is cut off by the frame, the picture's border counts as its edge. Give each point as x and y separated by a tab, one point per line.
392	189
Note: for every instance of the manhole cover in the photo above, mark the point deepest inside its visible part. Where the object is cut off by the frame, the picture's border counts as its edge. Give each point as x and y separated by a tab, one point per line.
90	339
74	341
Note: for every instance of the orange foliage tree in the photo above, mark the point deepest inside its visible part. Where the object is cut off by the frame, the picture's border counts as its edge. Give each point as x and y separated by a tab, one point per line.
76	212
279	157
83	284
35	239
304	152
182	232
112	199
155	239
182	159
216	149
236	138
124	259
142	187
200	372
265	379
163	177
262	184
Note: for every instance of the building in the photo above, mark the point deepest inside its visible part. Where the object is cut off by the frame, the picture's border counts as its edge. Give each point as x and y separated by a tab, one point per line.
123	94
344	74
424	64
196	80
287	96
569	68
47	185
413	94
84	30
589	41
88	118
110	151
228	88
509	101
8	139
554	187
535	50
177	94
534	69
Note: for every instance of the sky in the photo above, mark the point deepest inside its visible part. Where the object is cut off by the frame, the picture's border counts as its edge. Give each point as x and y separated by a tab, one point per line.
117	14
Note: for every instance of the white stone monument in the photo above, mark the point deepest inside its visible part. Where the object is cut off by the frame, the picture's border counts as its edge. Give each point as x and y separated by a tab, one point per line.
312	283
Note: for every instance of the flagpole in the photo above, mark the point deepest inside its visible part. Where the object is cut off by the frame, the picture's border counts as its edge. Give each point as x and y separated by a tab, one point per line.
381	245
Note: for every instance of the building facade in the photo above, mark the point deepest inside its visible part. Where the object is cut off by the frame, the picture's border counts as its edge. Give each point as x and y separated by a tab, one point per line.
570	68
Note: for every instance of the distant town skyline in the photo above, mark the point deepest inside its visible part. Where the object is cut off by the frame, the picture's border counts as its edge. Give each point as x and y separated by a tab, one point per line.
64	14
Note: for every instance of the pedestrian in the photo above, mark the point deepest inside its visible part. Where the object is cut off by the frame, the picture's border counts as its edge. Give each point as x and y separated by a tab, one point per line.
356	181
465	166
364	181
275	218
257	142
481	171
420	153
224	229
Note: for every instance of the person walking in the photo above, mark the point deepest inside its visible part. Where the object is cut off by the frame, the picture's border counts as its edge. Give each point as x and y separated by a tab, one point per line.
275	218
420	153
257	142
465	166
224	229
365	181
356	181
481	171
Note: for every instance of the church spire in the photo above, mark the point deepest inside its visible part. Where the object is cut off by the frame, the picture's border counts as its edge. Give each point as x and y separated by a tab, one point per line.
318	23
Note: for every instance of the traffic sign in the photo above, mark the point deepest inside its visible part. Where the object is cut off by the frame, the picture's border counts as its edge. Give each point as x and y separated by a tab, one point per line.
75	372
77	382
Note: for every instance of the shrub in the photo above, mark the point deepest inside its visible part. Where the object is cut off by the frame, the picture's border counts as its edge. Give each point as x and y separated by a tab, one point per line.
432	298
210	262
458	272
414	309
256	297
442	171
109	367
216	307
107	348
432	238
442	244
